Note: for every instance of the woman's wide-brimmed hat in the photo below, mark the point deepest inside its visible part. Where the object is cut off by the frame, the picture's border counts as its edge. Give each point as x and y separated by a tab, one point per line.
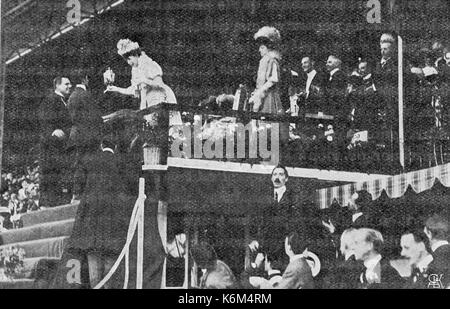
268	34
125	46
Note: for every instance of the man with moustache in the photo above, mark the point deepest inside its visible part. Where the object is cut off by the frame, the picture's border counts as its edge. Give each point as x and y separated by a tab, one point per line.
414	249
285	212
55	125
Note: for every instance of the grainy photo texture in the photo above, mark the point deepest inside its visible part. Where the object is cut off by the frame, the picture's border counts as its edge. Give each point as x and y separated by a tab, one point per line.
225	144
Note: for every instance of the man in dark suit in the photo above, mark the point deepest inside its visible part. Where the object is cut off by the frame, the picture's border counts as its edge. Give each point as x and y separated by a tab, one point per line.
361	212
311	87
378	272
86	130
436	229
386	83
55	124
285	212
298	273
414	248
335	87
336	100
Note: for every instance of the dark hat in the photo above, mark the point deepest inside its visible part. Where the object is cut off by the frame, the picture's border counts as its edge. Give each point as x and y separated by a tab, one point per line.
204	255
364	198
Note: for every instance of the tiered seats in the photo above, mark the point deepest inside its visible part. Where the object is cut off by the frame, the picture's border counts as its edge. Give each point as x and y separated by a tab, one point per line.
43	237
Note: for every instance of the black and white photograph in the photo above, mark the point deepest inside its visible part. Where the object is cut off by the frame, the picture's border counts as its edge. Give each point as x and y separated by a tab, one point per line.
239	145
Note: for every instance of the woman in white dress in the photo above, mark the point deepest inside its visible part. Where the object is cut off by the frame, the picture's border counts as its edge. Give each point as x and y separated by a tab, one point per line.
146	80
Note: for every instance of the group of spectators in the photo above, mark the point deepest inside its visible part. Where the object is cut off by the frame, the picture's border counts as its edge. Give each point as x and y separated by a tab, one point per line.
20	194
299	248
361	99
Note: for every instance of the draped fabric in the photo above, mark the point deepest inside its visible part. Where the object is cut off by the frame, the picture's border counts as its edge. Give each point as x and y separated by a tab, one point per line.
394	186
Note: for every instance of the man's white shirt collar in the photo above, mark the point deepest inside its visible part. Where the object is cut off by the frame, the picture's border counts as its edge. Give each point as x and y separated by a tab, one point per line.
311	76
383	61
60	94
356	216
438	244
423	263
63	98
279	191
371	263
82	86
296	257
332	72
108	150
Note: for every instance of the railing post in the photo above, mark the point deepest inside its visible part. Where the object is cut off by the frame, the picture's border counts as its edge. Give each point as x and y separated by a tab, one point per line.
155	153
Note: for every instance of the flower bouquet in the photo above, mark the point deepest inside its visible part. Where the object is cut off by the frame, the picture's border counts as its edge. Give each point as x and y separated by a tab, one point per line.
11	262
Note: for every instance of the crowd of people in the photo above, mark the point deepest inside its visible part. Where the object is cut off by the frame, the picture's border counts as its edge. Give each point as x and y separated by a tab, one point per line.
342	109
20	194
293	245
296	248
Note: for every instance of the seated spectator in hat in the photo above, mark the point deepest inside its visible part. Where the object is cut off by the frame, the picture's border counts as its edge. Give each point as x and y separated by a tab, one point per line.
216	274
13	203
378	272
22	193
33	197
437	231
414	248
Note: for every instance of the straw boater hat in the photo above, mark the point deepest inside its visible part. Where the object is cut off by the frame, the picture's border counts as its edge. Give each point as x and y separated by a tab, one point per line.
125	46
268	35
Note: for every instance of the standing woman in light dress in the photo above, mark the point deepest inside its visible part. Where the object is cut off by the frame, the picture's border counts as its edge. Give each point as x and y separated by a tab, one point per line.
146	80
266	97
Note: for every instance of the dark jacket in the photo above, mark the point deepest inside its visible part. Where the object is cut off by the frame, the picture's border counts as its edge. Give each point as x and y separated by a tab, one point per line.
53	115
335	93
296	276
314	101
86	119
389	277
440	265
276	220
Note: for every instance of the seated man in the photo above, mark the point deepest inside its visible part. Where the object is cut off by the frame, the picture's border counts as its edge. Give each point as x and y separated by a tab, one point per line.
255	277
378	272
216	274
414	249
298	273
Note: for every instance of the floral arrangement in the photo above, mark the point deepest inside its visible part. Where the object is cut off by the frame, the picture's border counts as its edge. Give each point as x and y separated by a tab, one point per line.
11	261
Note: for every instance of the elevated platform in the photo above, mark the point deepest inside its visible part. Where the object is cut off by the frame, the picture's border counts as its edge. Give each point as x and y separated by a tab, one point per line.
264	169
